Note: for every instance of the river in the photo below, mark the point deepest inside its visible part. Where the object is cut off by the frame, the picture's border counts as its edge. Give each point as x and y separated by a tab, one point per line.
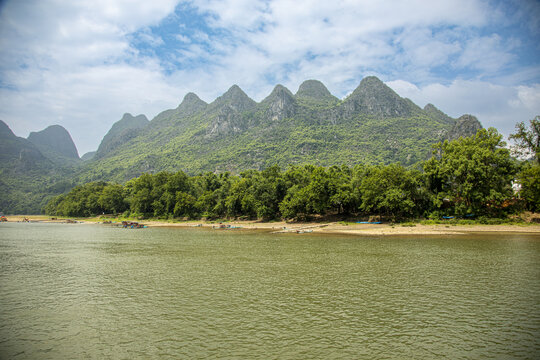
92	291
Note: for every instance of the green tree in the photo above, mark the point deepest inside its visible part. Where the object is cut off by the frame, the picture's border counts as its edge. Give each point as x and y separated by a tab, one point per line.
529	178
112	199
140	194
390	190
528	140
474	174
268	190
184	205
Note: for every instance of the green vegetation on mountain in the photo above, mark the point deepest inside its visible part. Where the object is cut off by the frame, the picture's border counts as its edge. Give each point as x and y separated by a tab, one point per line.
28	178
373	125
234	133
88	156
466	177
121	132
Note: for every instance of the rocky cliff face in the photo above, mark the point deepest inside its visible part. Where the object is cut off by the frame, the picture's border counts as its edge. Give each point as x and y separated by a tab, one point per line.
121	132
279	104
228	111
466	125
373	97
54	141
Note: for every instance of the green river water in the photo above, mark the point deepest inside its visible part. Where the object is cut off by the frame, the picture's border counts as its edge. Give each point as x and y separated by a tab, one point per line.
72	291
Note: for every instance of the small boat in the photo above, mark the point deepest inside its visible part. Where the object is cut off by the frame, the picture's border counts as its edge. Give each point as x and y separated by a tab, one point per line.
133	225
369	222
225	227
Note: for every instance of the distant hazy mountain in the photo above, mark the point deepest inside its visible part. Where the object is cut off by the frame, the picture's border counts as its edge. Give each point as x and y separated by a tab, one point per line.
28	176
233	133
17	152
88	156
55	143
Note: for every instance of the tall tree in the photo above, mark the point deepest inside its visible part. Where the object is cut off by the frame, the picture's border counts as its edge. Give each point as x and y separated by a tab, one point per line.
473	173
390	190
528	140
529	178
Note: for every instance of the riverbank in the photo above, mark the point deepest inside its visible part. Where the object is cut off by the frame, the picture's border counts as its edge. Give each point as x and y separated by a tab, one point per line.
312	227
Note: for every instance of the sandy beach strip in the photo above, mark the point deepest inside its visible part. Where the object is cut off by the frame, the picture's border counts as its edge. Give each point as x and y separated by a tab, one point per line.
320	228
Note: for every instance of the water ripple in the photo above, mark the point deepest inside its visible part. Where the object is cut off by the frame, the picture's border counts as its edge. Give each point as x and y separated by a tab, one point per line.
98	292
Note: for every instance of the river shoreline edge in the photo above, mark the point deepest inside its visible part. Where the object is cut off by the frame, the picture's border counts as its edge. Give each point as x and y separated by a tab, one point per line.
336	228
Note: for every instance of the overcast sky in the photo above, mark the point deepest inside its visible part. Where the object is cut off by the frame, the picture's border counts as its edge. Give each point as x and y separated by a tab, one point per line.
83	64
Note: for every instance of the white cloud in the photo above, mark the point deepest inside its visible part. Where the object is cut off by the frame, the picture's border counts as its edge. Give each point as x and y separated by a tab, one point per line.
494	105
63	63
183	38
486	53
77	63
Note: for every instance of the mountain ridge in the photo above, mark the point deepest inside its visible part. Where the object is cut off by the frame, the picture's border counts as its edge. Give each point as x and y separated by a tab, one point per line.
235	133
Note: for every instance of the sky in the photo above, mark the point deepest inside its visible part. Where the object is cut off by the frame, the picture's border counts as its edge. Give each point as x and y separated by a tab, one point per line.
83	64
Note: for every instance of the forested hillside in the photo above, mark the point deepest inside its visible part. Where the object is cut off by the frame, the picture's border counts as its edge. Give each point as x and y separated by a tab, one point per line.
373	125
32	172
469	177
234	133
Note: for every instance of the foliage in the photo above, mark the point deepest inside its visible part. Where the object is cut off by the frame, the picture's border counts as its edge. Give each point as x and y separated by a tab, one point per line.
468	175
528	140
529	178
235	134
391	190
471	175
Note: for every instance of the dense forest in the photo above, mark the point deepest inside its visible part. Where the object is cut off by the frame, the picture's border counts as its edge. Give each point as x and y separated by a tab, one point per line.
467	177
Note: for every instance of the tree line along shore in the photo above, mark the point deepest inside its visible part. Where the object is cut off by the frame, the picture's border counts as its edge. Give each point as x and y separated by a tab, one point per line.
473	178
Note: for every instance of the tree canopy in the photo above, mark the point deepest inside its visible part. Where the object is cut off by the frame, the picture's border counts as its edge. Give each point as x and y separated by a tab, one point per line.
466	176
473	175
528	139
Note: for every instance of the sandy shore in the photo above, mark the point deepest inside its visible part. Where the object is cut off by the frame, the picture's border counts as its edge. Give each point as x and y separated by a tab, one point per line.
328	228
362	229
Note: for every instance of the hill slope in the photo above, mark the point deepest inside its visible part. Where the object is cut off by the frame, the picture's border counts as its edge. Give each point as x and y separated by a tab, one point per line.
28	178
55	143
121	132
234	133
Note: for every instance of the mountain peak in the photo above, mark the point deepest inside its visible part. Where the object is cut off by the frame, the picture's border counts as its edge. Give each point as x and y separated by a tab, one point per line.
191	104
279	92
5	131
235	98
139	118
430	107
190	98
313	89
55	138
466	125
122	131
373	97
280	103
437	114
